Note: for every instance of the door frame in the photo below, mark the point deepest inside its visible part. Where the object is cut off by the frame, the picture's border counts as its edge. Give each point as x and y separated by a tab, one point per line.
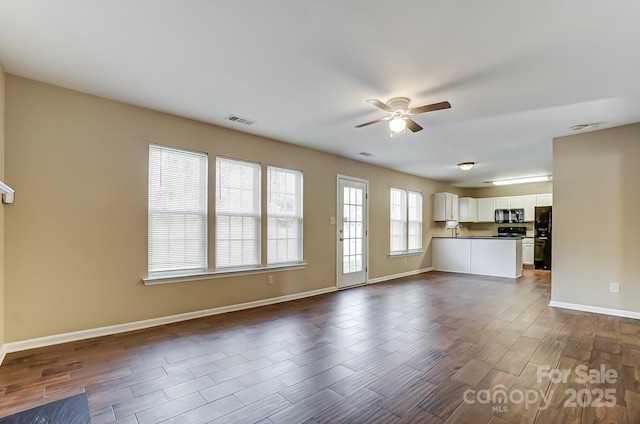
339	218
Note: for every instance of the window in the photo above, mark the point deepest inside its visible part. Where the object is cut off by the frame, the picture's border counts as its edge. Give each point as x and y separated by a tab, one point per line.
405	220
178	219
237	214
284	216
414	241
177	210
398	211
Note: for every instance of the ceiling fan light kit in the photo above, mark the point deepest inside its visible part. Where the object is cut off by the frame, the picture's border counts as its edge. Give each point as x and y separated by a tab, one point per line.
397	124
400	115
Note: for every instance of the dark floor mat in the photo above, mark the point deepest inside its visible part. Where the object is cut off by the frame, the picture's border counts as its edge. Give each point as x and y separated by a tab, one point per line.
71	410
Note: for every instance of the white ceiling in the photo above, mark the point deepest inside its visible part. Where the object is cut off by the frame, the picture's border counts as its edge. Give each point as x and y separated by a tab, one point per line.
517	73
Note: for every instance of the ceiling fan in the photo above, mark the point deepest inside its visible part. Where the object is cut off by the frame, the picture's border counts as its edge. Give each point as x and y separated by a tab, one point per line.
400	115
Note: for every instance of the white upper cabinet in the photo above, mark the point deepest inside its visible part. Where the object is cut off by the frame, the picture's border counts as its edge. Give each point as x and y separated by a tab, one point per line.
483	209
502	203
545	199
445	207
530	203
510	202
487	209
516	202
468	209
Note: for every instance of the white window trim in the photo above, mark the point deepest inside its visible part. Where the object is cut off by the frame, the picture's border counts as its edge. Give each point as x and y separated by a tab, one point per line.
256	216
407	252
402	220
206	212
409	192
152	280
300	220
186	275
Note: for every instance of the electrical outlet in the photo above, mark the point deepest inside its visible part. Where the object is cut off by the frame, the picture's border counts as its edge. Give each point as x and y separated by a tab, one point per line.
404	260
614	287
270	279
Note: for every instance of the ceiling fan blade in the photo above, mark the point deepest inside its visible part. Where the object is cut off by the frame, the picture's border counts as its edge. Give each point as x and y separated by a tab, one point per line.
372	122
413	125
430	108
381	105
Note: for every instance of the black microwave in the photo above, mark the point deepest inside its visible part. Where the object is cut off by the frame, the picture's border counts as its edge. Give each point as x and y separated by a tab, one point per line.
509	216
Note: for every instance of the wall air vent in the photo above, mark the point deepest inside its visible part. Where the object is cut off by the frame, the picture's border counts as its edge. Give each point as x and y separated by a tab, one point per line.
240	120
365	154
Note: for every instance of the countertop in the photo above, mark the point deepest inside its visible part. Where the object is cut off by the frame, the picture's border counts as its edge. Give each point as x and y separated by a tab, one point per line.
480	237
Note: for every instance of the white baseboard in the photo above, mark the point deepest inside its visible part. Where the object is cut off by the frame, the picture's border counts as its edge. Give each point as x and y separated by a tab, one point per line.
139	325
394	276
3	353
595	309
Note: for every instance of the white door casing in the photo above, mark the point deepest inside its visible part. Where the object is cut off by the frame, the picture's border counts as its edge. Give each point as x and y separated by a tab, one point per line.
352	232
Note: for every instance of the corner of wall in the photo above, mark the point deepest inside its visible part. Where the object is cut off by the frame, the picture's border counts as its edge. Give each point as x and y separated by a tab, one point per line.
2	112
586	262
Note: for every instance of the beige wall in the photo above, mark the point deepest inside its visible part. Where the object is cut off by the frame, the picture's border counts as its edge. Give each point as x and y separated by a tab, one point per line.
2	102
76	237
596	225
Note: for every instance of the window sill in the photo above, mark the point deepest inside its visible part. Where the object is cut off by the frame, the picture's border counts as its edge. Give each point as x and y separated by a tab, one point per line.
209	275
404	254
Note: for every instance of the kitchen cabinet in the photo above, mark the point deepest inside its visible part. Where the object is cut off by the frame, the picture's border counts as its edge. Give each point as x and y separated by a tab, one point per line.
468	209
500	257
530	203
487	209
502	203
527	251
516	202
545	199
510	202
452	254
445	207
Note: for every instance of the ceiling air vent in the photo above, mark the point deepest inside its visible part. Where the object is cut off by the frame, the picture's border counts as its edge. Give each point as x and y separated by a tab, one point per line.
240	120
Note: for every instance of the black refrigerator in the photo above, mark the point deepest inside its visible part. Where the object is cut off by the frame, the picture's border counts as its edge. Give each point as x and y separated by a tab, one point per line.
542	238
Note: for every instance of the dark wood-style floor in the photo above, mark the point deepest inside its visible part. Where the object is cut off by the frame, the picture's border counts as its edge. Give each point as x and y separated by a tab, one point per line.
424	349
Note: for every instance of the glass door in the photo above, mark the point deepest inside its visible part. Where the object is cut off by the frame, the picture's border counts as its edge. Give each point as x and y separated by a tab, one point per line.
352	232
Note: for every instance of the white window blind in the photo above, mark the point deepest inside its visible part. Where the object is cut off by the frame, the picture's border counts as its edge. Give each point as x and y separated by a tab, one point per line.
398	224
177	210
284	215
406	220
237	213
415	221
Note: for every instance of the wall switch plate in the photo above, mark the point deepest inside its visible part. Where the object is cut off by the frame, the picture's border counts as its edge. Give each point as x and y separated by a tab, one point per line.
270	279
332	220
614	287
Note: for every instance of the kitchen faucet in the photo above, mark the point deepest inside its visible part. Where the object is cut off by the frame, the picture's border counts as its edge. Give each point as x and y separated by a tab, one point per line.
454	230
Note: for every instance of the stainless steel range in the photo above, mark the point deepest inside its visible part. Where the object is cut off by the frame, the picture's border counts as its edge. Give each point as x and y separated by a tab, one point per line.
518	232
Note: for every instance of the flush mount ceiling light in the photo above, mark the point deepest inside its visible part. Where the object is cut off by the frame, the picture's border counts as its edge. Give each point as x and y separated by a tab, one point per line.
584	126
522	180
466	166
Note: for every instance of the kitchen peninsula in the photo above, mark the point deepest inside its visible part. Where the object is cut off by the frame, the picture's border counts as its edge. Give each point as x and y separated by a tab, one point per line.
494	256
